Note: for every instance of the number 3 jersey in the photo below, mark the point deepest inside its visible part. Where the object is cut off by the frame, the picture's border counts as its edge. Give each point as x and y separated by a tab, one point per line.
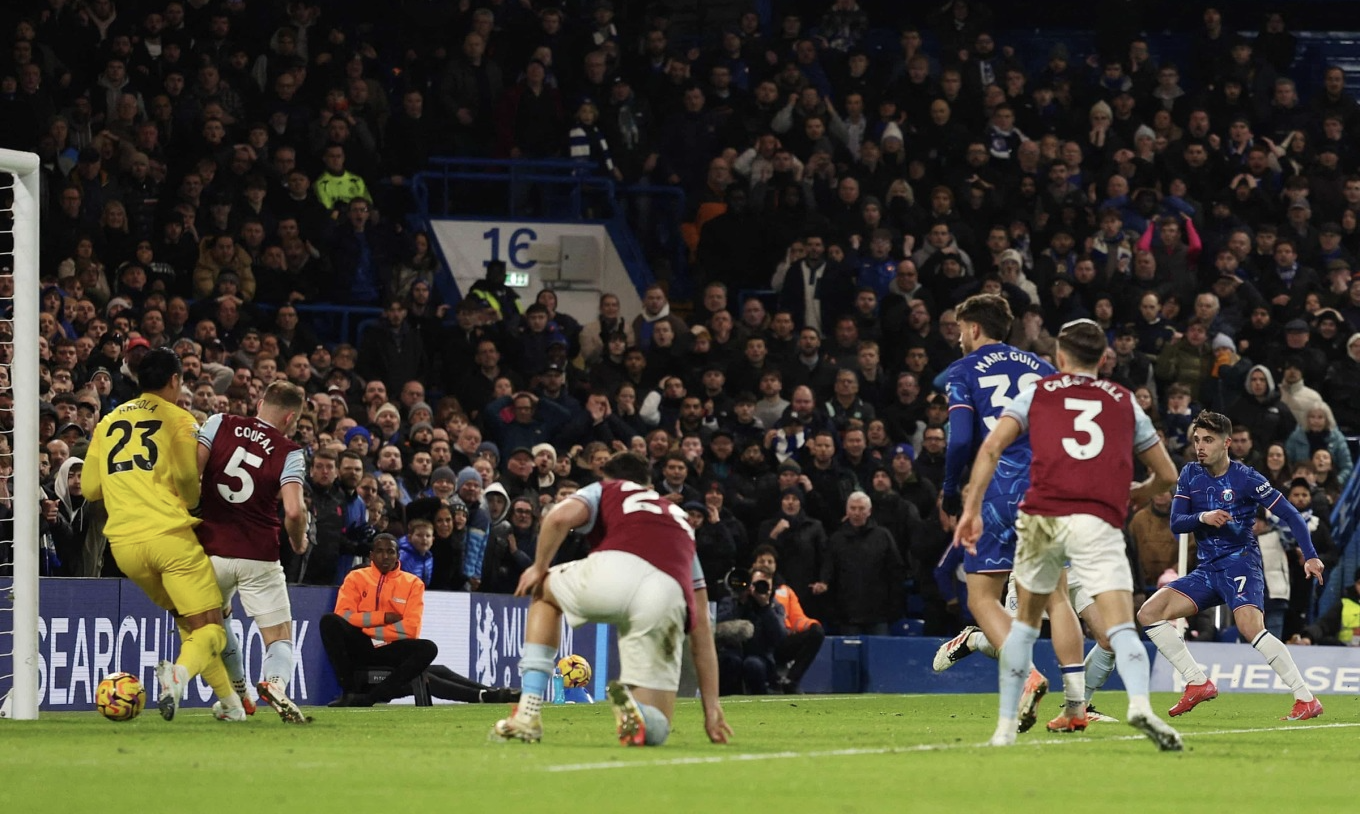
1084	433
142	462
248	461
625	516
983	383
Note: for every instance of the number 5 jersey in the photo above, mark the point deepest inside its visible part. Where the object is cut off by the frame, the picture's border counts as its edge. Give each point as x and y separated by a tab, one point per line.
248	461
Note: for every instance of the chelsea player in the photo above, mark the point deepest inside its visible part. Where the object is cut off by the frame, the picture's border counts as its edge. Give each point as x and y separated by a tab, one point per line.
1216	498
982	385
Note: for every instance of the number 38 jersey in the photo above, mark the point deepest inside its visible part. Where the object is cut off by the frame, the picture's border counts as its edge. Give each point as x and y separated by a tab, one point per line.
1084	433
248	461
625	516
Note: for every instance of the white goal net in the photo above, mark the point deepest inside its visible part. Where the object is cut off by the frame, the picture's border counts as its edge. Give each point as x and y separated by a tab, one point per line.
19	398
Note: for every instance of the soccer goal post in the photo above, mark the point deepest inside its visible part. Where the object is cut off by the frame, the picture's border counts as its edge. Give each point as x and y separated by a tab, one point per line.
20	603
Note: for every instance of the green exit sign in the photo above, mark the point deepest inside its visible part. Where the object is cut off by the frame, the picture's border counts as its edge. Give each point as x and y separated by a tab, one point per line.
517	279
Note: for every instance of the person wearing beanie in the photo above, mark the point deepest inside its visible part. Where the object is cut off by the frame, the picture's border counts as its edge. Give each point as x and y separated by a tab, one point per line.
469	489
420	411
359	439
799	541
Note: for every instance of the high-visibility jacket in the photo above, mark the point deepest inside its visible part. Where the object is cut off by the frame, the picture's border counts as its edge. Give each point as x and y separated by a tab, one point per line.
368	595
794	619
1350	620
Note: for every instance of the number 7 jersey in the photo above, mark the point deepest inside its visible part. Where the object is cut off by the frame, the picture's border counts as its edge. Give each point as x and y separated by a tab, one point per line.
248	461
1084	433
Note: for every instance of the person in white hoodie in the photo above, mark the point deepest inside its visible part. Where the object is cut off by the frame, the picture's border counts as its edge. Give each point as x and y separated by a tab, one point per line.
1299	397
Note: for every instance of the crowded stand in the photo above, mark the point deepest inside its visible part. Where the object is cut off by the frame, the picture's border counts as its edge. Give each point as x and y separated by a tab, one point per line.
222	178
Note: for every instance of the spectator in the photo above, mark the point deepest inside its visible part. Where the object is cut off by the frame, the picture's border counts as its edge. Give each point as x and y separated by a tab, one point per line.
1261	411
1317	431
350	642
863	569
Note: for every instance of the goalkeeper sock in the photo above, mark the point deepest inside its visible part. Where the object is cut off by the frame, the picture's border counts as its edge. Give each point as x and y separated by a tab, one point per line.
1099	665
201	654
1172	647
278	662
1277	656
535	668
1074	689
1013	668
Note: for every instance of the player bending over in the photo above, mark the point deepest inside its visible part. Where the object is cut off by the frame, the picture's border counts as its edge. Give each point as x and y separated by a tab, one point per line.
642	576
248	465
1216	498
141	464
981	384
1083	431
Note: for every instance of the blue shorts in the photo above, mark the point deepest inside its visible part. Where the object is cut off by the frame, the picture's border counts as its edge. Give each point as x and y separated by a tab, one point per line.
1239	584
996	546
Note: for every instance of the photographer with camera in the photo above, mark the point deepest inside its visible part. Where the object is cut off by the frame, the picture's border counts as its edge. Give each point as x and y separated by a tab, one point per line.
748	638
798	649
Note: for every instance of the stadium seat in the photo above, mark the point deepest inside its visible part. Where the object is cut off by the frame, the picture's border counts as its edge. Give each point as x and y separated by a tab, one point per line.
375	675
1229	635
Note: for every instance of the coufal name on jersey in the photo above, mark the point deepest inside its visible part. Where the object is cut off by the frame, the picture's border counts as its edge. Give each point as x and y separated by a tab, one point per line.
1005	356
1073	381
255	436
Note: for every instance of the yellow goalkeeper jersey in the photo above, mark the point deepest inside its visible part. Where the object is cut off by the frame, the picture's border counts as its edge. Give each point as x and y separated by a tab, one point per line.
143	463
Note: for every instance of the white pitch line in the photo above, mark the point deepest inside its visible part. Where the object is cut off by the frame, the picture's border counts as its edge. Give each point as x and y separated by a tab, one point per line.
902	750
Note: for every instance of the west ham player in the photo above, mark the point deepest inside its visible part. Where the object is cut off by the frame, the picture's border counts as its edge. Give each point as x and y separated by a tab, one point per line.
248	465
1216	498
981	385
643	576
1083	432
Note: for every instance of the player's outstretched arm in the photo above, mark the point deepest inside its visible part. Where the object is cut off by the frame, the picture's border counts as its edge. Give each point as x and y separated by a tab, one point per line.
706	666
1283	509
1162	477
970	522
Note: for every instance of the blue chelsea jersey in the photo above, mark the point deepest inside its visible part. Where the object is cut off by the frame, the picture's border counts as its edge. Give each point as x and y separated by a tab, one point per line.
983	384
1238	492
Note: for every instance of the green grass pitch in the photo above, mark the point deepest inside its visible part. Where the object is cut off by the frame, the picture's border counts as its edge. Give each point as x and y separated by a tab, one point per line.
862	753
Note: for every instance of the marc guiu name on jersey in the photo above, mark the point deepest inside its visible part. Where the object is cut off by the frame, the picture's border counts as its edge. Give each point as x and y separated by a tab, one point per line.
986	361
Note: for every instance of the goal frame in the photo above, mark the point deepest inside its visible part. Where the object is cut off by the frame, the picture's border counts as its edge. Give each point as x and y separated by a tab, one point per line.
25	385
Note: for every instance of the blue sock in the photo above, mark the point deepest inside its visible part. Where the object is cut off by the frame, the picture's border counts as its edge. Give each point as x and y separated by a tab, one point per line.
658	728
231	658
1132	660
1014	667
278	662
535	668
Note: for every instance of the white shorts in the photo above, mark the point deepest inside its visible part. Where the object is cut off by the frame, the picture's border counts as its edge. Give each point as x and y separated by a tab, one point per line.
263	589
642	601
1092	550
1075	594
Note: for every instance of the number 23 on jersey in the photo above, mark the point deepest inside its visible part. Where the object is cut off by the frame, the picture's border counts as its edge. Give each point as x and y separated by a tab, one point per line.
120	433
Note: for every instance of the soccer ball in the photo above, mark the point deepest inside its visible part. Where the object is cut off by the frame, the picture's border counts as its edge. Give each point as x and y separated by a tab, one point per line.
575	671
120	697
